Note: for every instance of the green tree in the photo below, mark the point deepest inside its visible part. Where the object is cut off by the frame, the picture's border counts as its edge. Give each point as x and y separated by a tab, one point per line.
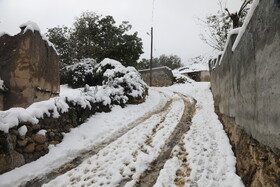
171	61
98	37
217	26
59	36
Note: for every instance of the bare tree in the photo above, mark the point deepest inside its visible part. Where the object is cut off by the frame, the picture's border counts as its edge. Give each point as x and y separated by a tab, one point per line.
216	26
235	17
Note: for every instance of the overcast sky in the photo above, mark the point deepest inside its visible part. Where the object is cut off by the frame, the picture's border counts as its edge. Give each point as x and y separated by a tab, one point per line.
175	21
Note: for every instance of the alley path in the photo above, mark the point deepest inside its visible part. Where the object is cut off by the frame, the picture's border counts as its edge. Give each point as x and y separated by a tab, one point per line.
173	139
124	161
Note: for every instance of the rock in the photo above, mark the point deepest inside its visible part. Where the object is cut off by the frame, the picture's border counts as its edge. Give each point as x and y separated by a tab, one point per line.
54	142
29	131
22	137
14	131
36	127
67	128
52	134
30	140
38	138
30	148
10	161
19	150
40	147
22	143
58	137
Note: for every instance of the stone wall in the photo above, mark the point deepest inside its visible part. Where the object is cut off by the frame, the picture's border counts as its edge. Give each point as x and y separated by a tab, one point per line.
161	76
29	68
25	142
246	89
17	150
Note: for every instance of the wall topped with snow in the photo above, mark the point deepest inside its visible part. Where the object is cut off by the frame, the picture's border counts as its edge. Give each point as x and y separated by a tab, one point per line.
245	79
29	67
26	134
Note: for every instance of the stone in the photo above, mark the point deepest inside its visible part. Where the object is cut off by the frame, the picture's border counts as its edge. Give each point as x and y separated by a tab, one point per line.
46	146
29	140
52	134
54	142
12	140
67	128
36	127
40	147
14	131
10	161
38	138
30	148
22	137
22	143
29	131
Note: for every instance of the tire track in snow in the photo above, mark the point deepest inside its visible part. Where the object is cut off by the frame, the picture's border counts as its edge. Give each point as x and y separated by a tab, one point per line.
130	155
84	155
207	156
149	177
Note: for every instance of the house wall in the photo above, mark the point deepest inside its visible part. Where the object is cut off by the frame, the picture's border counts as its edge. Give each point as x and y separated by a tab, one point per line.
161	76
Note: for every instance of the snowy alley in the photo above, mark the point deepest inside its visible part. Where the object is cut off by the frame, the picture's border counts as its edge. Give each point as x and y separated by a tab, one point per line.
150	144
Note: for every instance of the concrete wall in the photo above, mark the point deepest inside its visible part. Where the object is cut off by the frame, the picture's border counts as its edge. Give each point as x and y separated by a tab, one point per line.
245	83
161	76
29	68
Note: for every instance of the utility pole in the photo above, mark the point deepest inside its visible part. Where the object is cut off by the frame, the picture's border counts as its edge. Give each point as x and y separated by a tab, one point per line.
151	60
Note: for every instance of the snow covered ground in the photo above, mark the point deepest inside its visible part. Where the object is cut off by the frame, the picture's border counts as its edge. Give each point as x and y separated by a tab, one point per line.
202	158
209	154
98	128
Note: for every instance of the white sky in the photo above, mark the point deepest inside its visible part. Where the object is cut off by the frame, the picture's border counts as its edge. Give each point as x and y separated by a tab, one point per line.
175	21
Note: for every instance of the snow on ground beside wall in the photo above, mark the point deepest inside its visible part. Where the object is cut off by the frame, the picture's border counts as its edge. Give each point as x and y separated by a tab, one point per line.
98	128
210	156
